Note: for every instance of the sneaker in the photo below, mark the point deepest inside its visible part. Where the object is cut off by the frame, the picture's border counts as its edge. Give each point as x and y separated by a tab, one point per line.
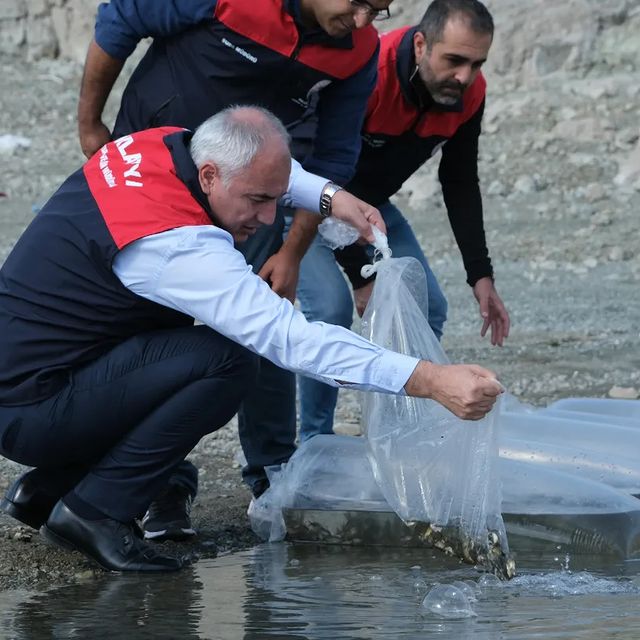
259	487
168	516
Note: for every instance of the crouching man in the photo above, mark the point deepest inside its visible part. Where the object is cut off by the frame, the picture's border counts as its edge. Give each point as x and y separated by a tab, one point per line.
106	384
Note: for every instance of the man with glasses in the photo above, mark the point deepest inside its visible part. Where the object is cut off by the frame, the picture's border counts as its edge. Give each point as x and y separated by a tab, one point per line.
370	10
294	57
430	95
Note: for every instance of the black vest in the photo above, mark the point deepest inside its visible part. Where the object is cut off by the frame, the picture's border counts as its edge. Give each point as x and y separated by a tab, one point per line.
61	305
249	53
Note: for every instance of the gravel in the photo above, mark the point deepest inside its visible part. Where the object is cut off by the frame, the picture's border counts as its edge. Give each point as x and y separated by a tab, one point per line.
561	208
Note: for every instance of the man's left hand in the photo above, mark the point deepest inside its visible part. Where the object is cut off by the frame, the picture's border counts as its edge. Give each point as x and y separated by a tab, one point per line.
280	271
358	214
493	312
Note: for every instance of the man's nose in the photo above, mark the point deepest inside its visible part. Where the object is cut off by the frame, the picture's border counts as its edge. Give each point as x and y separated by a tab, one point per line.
361	19
463	75
267	213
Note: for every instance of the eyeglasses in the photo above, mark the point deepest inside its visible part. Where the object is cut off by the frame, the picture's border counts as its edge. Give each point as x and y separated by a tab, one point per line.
362	6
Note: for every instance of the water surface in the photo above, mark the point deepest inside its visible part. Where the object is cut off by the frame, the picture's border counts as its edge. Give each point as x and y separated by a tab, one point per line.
307	591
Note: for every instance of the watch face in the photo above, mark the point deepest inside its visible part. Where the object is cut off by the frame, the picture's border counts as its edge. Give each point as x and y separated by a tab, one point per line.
325	205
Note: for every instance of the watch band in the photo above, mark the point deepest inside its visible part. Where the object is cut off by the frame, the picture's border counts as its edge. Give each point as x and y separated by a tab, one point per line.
330	190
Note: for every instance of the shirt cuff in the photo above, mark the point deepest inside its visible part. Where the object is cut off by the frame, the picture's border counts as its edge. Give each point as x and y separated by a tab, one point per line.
304	189
394	371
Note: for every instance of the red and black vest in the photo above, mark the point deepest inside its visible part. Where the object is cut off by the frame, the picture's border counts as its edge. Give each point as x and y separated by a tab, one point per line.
61	305
247	53
399	134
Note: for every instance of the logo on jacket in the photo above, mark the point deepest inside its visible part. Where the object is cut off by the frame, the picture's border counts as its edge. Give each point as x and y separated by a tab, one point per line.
132	159
239	50
109	178
374	141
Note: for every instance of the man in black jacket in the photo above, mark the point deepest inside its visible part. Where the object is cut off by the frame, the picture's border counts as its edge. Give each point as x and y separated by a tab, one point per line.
429	96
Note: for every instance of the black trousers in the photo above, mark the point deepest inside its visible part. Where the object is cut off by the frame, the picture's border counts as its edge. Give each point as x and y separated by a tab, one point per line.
127	420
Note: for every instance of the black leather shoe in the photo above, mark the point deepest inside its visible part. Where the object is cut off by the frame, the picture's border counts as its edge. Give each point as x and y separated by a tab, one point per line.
112	544
26	501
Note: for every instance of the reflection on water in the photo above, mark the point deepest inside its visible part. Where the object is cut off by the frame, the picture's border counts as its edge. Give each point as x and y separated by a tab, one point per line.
306	591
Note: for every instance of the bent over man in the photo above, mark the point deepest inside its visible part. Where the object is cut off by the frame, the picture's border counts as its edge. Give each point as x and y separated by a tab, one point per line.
294	57
105	384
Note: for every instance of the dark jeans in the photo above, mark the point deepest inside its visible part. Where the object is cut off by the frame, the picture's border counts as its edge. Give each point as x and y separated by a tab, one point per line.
128	419
267	416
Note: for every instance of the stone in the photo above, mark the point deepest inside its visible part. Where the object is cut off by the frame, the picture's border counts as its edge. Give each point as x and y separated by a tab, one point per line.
10	142
496	188
579	129
12	36
629	169
615	254
602	218
525	184
78	27
624	393
38	8
41	39
551	57
13	9
594	192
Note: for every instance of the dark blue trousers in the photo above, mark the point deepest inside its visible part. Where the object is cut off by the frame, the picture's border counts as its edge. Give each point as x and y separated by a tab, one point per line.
126	421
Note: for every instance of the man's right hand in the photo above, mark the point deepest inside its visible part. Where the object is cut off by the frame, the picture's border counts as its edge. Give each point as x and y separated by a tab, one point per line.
93	137
357	213
467	390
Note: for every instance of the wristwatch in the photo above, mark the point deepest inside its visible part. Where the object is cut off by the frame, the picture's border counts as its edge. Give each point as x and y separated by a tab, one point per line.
330	190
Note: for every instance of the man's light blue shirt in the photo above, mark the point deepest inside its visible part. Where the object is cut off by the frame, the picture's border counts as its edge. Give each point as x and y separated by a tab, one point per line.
197	270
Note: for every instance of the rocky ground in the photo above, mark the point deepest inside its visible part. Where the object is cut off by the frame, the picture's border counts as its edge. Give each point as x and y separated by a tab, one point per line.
560	168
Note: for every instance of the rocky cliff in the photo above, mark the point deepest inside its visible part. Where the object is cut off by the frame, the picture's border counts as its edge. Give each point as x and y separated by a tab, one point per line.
533	39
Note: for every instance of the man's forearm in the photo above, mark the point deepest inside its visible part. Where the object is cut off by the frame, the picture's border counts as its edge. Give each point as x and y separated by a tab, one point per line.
100	73
464	208
458	173
468	391
305	190
302	232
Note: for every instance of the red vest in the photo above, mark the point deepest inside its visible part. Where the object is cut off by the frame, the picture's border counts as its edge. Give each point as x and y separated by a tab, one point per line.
397	137
134	183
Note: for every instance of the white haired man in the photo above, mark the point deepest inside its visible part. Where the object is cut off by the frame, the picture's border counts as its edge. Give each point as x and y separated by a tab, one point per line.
106	384
316	56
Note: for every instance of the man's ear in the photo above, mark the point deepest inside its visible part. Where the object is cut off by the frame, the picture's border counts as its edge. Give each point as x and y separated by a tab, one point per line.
207	175
419	46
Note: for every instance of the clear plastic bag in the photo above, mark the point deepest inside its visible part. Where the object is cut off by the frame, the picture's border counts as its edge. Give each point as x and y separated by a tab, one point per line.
431	466
327	494
437	472
337	234
618	411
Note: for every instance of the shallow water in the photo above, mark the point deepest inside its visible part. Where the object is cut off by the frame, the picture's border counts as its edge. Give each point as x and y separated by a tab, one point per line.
306	591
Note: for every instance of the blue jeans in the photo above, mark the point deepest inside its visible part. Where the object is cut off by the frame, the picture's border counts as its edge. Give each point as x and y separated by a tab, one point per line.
325	295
